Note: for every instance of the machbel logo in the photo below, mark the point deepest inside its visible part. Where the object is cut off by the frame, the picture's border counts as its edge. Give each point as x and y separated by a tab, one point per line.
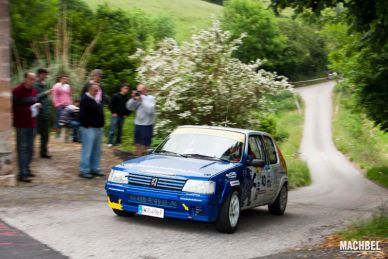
359	246
154	182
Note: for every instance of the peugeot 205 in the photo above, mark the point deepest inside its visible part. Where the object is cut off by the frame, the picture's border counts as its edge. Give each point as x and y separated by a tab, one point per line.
202	173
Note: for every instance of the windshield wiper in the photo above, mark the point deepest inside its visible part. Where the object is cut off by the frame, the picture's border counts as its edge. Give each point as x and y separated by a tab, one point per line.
205	156
165	152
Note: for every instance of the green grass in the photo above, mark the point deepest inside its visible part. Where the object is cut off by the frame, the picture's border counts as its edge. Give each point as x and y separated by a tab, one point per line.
372	229
291	122
127	134
186	14
355	136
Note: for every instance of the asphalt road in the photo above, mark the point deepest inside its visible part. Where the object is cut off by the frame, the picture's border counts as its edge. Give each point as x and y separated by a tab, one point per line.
339	194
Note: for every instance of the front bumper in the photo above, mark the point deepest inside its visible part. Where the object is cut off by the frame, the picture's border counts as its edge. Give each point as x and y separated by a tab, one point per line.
176	204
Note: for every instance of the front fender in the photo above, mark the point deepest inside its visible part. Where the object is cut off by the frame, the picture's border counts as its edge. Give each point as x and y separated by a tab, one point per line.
228	186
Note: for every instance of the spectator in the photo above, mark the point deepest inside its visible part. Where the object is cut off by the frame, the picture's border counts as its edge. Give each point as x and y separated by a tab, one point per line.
119	113
25	107
95	78
92	123
61	98
43	117
144	105
70	119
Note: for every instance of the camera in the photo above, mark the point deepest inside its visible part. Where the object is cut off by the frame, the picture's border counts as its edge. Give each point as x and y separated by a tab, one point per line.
137	93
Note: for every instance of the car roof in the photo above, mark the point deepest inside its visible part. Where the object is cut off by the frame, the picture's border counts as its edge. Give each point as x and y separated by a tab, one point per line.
243	131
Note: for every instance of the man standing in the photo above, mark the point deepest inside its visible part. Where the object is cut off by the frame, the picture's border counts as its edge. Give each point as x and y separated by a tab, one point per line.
119	113
25	108
92	123
43	117
144	105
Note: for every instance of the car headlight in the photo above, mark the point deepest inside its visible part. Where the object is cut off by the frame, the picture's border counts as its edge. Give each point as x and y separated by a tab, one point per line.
118	176
198	186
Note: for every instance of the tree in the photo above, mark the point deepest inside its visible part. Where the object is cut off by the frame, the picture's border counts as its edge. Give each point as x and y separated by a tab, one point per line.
263	39
290	47
31	21
200	82
362	58
304	54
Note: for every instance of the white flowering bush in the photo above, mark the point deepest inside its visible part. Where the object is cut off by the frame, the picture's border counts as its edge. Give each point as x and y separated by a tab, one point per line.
201	83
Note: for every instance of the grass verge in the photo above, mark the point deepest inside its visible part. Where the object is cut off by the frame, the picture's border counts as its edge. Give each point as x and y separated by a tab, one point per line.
375	228
291	122
356	137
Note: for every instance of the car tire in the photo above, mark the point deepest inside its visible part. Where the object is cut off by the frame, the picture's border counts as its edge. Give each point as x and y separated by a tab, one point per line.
280	204
123	213
229	215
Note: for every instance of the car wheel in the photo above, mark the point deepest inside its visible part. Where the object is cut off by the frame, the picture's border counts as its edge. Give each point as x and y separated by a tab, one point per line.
123	213
280	204
229	215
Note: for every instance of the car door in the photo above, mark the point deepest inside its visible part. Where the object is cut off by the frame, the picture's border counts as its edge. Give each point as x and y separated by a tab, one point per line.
272	169
256	191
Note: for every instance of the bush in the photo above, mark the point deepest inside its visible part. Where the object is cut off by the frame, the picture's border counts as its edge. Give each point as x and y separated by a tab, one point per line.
201	83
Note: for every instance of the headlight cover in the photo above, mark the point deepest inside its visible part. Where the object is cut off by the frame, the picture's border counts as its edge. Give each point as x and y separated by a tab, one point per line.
198	186
116	176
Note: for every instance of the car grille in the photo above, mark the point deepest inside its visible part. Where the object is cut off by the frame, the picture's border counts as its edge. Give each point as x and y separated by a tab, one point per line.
152	201
165	183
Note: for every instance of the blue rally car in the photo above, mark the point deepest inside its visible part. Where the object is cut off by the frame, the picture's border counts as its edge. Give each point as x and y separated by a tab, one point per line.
202	173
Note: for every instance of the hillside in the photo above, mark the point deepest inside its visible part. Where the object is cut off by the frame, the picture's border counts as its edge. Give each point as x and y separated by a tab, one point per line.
186	14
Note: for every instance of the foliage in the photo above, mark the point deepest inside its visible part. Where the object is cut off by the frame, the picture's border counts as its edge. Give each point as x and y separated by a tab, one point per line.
358	139
379	175
289	130
369	17
163	27
183	14
121	34
372	229
304	53
200	82
290	47
263	36
31	20
363	57
101	39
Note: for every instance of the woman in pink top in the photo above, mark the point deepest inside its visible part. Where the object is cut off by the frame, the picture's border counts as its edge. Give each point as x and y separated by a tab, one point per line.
61	97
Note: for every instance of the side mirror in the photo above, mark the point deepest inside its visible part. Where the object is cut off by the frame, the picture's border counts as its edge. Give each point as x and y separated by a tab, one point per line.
256	163
148	151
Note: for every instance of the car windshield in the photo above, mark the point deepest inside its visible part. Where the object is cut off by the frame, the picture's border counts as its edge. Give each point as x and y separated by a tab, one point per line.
209	145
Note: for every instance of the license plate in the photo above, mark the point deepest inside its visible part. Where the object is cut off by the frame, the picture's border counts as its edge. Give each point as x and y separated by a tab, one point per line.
150	211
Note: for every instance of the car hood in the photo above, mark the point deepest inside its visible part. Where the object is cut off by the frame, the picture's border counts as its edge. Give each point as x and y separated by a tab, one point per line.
179	166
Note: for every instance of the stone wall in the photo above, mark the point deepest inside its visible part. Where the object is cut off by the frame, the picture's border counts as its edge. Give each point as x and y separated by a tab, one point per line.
7	178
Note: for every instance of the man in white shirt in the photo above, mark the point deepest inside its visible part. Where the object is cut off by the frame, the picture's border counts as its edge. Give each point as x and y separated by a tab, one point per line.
144	105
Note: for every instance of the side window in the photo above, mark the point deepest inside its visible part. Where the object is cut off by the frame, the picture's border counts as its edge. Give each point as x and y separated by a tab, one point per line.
269	145
255	150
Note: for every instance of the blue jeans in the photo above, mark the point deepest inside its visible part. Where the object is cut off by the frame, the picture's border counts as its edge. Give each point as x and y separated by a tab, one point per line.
91	150
25	149
74	124
116	123
58	113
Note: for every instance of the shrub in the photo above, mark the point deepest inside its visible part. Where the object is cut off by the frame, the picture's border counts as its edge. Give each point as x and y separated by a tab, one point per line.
200	82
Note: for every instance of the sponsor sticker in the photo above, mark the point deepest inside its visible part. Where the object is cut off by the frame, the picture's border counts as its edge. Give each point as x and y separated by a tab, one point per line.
234	183
231	175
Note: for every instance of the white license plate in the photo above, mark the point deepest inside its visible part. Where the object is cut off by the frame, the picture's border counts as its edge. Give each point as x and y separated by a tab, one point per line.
150	211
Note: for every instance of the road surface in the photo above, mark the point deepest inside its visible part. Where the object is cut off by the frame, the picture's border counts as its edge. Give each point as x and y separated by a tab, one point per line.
338	195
